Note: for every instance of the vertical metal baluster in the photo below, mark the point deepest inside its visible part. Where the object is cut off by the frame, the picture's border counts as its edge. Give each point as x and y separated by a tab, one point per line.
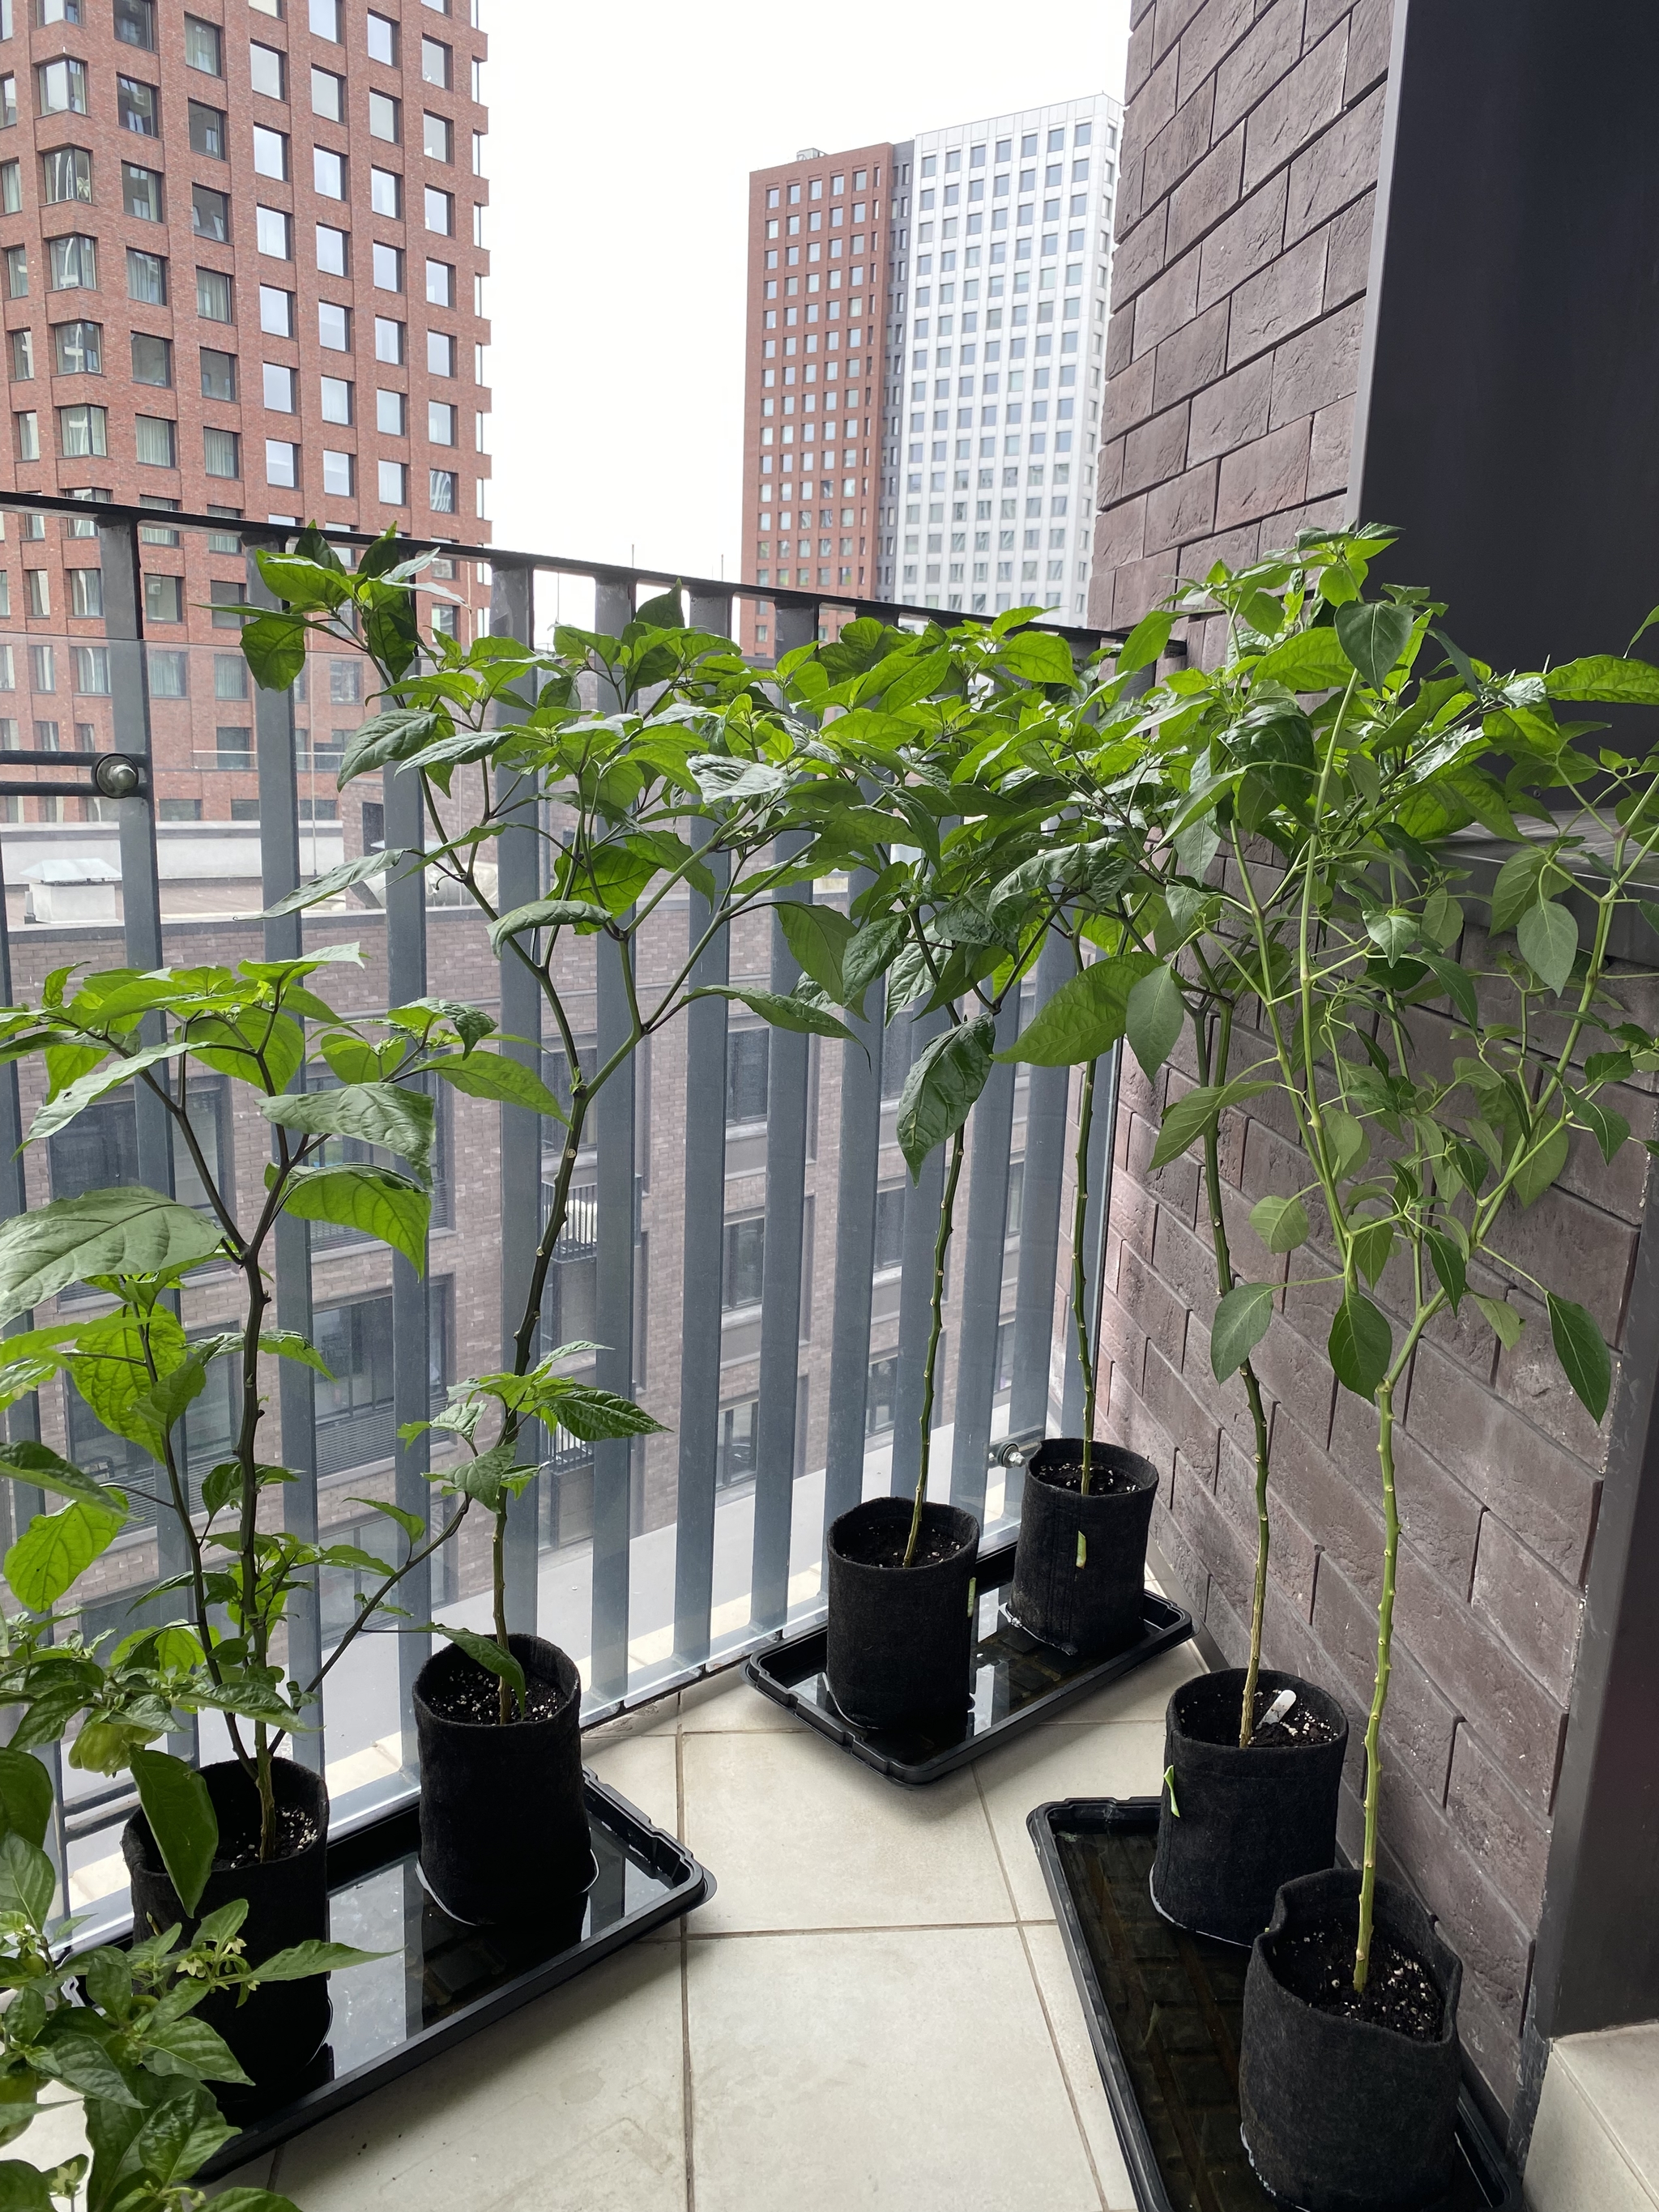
412	1313
922	1205
781	1252
613	1303
284	939
858	1170
710	610
700	1329
518	853
141	907
982	1275
1095	1216
1039	1229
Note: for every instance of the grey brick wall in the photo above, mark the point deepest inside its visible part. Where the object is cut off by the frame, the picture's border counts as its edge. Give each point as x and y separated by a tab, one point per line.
1244	219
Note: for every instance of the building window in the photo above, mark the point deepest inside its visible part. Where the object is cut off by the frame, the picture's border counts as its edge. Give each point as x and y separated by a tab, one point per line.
279	389
282	463
65	174
388	340
141	191
213	295
267	68
150	533
394	481
881	1400
230	682
390	413
25	430
220	457
209	214
328	172
152	359
169	672
272	226
332	250
438	137
326	19
207	131
436	64
443	488
73	265
147	277
218	373
82	431
270	153
388	268
134	23
440	354
328	95
164	602
440	422
333	326
441	211
78	349
385	192
89	664
62	88
275	311
17	272
747	1064
734	1458
383	117
157	441
743	1263
225	598
439	284
22	356
890	1227
203	47
337	480
337	399
137	107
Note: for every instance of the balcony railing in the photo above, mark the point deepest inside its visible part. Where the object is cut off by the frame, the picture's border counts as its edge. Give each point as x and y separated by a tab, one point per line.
639	1560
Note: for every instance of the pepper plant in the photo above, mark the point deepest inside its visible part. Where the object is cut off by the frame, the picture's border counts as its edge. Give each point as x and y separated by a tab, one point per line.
1332	758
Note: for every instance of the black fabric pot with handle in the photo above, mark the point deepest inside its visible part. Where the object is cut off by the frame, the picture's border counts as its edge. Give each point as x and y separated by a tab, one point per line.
504	1829
1080	1563
280	2029
1344	2115
898	1637
1243	1822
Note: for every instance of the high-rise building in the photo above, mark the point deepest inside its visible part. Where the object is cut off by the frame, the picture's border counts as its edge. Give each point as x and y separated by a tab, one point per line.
241	259
982	278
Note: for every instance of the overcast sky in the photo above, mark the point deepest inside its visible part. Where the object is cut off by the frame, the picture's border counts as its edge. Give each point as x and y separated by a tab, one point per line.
620	147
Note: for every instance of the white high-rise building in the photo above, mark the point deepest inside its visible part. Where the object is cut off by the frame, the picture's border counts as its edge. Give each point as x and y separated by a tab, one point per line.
999	254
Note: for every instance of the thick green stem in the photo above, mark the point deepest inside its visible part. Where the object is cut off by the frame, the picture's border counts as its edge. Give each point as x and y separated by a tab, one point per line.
1085	1358
1361	1957
498	1590
941	1244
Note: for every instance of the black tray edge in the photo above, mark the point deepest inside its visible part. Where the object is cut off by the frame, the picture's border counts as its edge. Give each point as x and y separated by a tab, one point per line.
696	1887
1167	1624
1497	2176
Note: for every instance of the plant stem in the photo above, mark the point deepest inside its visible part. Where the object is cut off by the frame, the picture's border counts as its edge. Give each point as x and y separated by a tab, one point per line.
941	1242
1080	1276
1380	1686
498	1568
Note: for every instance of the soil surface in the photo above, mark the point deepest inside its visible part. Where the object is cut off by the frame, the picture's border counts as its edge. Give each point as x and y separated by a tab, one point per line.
1105	1479
473	1694
296	1832
1317	1966
883	1545
1215	1720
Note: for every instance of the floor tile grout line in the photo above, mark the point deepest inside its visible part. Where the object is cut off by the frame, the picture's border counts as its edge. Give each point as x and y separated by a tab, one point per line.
1060	2062
996	1841
863	1927
1601	2126
687	2115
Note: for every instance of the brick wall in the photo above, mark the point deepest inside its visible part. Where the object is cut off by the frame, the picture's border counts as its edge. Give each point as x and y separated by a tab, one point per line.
1498	1470
1244	219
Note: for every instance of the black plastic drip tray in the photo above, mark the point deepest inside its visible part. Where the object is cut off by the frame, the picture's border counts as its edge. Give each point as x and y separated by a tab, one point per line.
1014	1680
443	1979
1165	2010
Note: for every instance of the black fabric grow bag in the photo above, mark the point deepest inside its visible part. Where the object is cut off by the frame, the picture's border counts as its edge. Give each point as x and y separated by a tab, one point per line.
1243	1822
1343	2115
898	1638
1094	1606
279	2030
503	1820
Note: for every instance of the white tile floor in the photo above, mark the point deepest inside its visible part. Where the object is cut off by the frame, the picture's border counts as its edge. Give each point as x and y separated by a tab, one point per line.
875	2009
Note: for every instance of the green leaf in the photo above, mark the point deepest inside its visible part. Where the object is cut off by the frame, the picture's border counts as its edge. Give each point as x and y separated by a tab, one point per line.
373	1113
23	2188
1610	1130
58	1548
1457	984
181	1819
1392	932
1518	885
1309	660
1145	641
1360	1344
1540	1167
782	1009
1443	918
818	937
1374	632
1039	656
1280	1223
494	1075
131	1232
1241	1323
289	1343
301	1960
1606	677
29	1462
193	2048
253	2200
1548	938
945	1077
86	1089
666	611
388	738
274	647
597	1416
336	880
1347	1138
27	1879
377	1201
25	1795
1373	1240
486	1651
1084	1017
1153	1017
1506	1324
1583	1352
1188	1117
1447	1260
547	914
